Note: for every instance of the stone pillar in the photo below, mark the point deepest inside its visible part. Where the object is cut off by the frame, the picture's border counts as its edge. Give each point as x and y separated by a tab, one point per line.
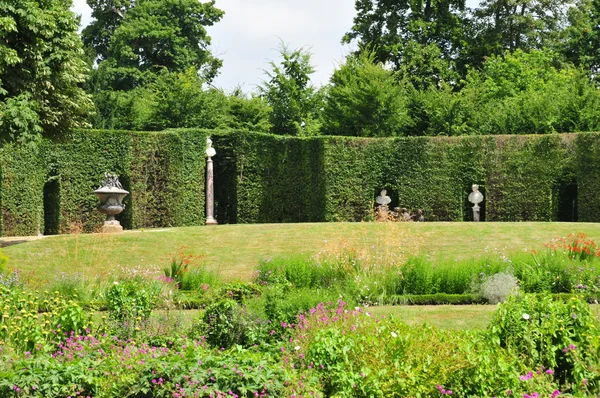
210	198
476	210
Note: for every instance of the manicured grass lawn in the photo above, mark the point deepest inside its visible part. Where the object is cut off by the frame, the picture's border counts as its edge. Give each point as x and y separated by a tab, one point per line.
234	250
455	317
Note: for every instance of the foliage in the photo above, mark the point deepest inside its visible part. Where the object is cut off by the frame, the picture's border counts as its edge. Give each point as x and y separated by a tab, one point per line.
498	287
295	103
41	71
130	302
3	261
181	265
24	329
23	175
164	173
582	43
420	39
357	355
134	40
364	100
500	26
556	335
337	178
224	324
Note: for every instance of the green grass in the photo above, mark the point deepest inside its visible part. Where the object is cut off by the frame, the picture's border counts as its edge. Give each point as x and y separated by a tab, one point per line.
458	317
234	250
455	317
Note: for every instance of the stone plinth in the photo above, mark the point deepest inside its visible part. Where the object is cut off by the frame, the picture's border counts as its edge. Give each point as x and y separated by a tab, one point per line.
112	226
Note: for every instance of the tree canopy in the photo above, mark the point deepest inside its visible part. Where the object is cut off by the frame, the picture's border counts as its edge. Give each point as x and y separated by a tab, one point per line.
41	70
132	40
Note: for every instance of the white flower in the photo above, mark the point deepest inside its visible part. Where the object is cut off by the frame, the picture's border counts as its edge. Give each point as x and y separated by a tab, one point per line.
526	316
357	308
394	335
297	348
116	283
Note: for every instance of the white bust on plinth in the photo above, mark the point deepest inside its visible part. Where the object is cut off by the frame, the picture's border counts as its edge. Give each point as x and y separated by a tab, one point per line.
476	198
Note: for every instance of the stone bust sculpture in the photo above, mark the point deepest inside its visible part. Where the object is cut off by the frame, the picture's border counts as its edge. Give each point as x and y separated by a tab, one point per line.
475	197
383	199
210	151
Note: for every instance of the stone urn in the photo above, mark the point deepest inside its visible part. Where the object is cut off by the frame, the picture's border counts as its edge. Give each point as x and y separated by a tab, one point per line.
111	196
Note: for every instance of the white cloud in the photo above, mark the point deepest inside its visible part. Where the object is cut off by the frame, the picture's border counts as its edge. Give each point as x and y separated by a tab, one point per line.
250	33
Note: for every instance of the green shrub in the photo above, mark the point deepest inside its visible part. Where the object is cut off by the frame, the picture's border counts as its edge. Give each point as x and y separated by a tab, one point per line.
355	354
239	291
3	261
23	328
200	278
224	324
130	301
551	334
496	288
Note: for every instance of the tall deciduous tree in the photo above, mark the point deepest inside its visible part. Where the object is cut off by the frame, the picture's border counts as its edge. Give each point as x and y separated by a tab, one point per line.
365	100
510	25
41	70
420	38
582	44
133	39
295	102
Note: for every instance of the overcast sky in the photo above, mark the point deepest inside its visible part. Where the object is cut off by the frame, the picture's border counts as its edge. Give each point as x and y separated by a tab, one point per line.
249	34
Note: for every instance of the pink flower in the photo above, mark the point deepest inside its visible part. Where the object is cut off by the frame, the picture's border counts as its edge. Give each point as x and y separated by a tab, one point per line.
526	377
550	371
555	394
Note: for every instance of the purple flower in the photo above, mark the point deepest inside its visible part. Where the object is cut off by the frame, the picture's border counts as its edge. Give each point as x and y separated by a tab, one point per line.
550	371
555	394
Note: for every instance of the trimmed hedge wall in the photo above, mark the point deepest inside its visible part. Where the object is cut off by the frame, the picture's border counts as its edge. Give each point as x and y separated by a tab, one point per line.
22	179
267	178
264	178
164	172
50	189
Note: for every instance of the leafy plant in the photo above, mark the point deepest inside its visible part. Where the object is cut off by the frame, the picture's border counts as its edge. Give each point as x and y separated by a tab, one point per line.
224	324
496	288
559	335
130	301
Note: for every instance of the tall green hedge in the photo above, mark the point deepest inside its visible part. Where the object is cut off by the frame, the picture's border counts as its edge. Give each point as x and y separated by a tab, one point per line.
267	178
22	179
163	171
263	178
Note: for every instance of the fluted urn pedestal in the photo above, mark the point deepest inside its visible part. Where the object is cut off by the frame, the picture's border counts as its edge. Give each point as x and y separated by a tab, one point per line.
111	202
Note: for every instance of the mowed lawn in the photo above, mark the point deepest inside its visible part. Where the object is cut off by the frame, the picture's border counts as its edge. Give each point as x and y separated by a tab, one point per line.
234	250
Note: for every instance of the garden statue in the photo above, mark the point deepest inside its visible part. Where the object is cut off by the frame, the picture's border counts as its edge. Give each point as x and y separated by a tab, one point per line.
210	199
406	215
111	195
475	197
383	213
383	199
420	217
